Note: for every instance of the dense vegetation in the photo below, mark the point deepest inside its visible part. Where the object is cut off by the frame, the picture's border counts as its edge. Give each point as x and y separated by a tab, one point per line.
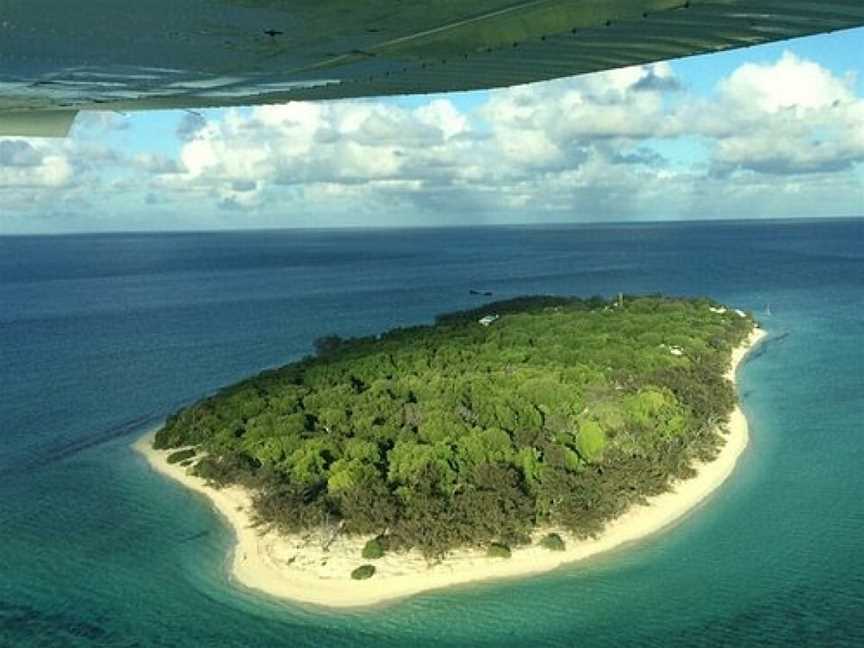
561	413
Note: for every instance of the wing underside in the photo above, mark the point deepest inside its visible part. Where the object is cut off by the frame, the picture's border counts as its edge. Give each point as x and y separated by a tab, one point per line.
59	57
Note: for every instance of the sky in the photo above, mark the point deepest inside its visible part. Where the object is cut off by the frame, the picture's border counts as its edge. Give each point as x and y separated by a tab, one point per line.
774	131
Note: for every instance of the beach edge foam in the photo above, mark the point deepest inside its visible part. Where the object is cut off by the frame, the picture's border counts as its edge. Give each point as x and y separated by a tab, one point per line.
301	569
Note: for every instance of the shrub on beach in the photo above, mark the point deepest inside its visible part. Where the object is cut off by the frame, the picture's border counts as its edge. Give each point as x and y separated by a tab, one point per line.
553	542
498	550
373	549
363	572
180	455
229	468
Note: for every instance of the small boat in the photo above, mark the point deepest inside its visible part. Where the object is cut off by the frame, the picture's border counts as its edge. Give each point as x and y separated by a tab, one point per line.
485	293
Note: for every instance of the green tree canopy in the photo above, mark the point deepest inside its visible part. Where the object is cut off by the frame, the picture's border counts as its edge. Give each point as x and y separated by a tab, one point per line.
562	412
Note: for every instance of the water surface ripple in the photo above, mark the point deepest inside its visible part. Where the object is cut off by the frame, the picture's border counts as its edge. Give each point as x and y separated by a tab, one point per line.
101	336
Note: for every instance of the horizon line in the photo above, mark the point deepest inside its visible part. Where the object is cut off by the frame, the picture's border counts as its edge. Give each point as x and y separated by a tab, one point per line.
551	224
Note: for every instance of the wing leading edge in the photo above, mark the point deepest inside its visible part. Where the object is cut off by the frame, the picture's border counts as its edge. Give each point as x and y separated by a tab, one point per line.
58	57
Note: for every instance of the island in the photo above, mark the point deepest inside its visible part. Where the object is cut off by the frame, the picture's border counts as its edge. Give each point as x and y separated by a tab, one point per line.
500	441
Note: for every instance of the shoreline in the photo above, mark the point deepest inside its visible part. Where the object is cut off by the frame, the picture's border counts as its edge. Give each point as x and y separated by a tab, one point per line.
297	568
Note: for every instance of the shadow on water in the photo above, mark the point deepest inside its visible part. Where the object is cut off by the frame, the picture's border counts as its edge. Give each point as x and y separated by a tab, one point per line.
19	620
131	427
763	348
62	451
195	536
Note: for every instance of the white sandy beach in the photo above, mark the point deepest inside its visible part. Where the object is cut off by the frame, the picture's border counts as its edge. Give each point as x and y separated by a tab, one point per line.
297	568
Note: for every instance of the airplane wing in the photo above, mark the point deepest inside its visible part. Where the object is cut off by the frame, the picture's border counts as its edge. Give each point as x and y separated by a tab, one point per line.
61	56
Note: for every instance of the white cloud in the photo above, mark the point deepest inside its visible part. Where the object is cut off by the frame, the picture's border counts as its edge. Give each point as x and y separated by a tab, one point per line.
789	84
32	166
786	118
155	163
773	139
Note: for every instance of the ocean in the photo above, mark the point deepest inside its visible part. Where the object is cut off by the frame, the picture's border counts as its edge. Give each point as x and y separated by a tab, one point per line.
102	336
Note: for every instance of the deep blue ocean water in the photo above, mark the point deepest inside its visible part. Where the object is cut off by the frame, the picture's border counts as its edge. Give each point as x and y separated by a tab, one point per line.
101	336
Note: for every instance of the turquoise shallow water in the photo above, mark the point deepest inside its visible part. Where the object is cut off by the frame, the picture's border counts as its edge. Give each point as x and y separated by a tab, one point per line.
102	336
